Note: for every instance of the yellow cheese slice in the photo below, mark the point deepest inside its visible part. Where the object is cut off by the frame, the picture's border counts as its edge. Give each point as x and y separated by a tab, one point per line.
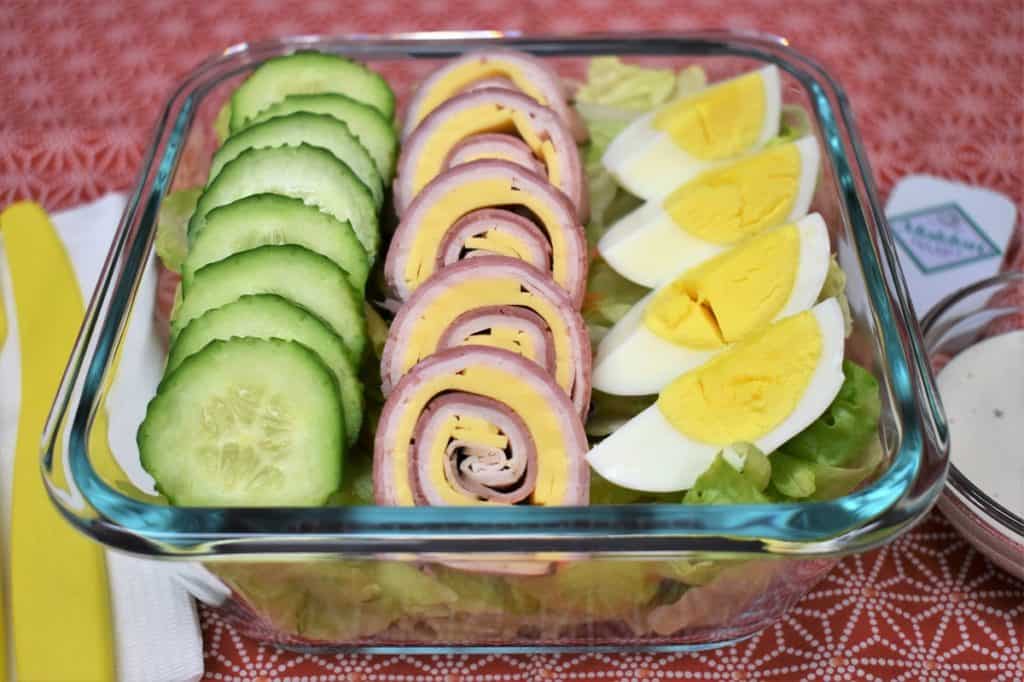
61	617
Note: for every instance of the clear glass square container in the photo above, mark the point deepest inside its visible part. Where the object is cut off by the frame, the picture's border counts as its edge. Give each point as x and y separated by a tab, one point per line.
441	579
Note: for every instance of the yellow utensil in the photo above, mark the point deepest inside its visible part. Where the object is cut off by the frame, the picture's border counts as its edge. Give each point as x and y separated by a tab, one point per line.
3	577
60	603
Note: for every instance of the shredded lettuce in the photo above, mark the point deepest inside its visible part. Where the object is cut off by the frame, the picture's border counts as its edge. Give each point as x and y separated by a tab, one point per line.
612	82
172	226
614	94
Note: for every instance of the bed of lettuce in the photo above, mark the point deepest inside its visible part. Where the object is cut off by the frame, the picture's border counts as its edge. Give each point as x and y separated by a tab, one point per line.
390	600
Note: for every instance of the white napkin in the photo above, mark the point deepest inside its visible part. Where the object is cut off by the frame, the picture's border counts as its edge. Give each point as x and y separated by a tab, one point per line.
155	620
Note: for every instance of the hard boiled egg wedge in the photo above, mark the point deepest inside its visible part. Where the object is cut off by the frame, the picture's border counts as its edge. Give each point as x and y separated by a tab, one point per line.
660	150
707	214
763	390
705	309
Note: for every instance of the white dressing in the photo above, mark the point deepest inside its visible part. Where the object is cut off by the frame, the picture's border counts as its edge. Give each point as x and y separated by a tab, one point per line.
983	393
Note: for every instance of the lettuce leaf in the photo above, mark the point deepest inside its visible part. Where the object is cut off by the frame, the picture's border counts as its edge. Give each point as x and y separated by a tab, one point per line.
835	287
222	124
614	94
795	123
597	588
795	479
723	483
846	427
172	226
839	450
610	81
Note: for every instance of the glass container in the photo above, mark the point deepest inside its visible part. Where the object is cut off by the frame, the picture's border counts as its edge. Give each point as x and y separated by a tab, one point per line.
653	576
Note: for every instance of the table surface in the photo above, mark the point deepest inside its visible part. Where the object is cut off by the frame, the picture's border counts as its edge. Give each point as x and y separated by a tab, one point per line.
936	87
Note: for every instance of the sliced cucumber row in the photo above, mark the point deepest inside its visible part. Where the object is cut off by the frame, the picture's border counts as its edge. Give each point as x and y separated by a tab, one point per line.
261	396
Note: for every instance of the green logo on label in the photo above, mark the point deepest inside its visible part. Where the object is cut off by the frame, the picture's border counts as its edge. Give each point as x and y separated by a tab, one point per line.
941	237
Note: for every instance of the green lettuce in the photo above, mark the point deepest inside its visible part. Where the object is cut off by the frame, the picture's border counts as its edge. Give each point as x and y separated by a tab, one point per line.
172	226
609	412
596	588
828	459
835	287
610	81
222	124
846	427
614	94
724	483
795	123
839	450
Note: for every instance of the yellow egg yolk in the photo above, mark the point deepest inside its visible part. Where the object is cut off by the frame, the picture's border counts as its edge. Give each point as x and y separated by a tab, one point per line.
728	204
731	295
748	390
521	397
486	118
720	122
464	75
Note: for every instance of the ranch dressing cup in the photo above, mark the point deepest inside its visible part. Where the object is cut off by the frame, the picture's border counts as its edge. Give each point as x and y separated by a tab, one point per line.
976	341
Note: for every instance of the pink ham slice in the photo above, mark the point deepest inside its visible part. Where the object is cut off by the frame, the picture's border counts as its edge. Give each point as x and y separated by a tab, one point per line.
425	151
496	68
458	242
494	146
477	326
423	469
535	292
415	247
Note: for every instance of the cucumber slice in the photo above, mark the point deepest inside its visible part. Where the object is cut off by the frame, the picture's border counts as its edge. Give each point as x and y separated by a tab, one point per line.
308	72
312	174
373	130
293	272
246	422
264	219
266	316
319	130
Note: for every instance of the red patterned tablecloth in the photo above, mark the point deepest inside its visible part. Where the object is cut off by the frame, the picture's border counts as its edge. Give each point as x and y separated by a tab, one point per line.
937	87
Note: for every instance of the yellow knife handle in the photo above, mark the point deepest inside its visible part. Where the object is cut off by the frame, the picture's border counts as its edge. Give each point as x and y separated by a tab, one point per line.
60	602
3	574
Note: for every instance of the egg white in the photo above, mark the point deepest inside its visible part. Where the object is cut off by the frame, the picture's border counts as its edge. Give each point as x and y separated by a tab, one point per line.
649	164
633	360
648	453
647	247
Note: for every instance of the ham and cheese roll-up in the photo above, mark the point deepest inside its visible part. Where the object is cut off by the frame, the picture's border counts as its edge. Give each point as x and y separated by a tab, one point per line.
493	301
473	425
490	110
494	68
495	231
436	211
494	146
